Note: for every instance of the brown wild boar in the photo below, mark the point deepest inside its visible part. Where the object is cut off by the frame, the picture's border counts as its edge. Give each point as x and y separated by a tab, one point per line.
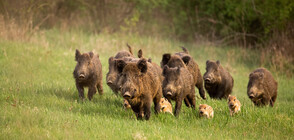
218	82
234	105
177	85
111	76
88	73
262	88
140	84
206	111
183	59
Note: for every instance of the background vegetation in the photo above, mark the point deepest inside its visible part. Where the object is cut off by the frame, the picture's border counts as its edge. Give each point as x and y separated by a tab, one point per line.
38	38
266	26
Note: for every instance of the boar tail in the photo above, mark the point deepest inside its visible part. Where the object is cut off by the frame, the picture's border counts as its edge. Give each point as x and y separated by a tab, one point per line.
185	50
130	48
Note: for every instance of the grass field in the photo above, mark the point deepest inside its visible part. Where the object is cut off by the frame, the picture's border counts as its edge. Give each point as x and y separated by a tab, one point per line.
38	98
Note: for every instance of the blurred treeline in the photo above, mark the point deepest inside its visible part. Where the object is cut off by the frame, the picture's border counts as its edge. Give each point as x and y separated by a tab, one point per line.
250	23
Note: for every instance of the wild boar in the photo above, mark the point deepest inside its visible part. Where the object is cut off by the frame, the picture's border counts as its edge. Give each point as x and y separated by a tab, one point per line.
177	85
262	88
88	73
111	76
140	84
183	59
218	82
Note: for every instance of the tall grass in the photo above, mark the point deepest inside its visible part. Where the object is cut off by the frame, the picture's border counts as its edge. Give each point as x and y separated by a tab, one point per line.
39	100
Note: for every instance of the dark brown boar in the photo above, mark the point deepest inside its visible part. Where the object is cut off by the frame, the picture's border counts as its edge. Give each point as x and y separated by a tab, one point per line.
262	88
111	76
183	59
177	85
218	82
140	84
88	73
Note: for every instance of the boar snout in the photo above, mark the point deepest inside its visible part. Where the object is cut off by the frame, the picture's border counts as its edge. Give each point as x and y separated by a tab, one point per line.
251	96
207	80
127	95
82	76
201	112
109	82
168	94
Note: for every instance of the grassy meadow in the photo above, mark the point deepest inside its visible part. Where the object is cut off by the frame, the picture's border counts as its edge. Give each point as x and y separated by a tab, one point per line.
39	100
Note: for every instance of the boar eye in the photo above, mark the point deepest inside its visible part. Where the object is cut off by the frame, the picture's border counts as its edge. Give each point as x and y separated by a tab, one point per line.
234	99
88	63
204	107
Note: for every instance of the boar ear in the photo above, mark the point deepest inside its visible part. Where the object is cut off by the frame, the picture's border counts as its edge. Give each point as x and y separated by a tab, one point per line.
140	54
250	75
207	62
142	65
120	65
78	54
165	68
165	58
217	62
111	59
91	54
150	60
186	59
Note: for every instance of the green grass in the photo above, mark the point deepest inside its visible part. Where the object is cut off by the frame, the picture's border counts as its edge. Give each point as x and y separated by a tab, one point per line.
38	98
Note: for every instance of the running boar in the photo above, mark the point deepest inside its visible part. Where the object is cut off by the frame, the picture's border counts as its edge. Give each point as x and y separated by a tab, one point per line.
111	76
234	105
88	73
183	59
262	87
140	84
218	82
205	111
177	85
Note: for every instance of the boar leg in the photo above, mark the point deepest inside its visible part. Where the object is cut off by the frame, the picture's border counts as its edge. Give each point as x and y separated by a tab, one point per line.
81	91
178	106
147	110
137	112
100	88
192	100
200	87
156	102
272	101
266	100
91	92
186	100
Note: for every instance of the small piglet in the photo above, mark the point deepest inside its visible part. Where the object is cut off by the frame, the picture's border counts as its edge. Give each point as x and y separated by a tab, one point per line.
88	73
234	105
178	85
165	106
205	111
